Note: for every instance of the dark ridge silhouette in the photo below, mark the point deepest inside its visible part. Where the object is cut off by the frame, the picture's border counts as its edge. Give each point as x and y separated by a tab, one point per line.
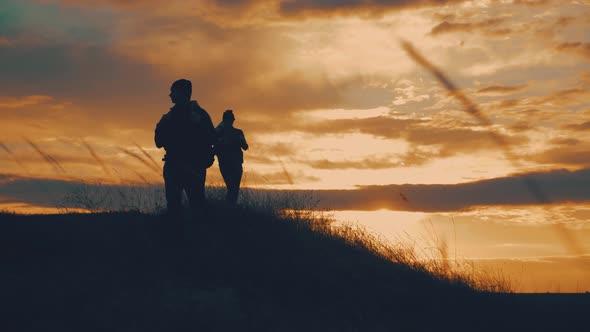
242	269
470	107
566	187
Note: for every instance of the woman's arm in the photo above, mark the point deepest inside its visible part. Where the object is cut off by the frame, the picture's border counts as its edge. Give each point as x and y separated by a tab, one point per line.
243	143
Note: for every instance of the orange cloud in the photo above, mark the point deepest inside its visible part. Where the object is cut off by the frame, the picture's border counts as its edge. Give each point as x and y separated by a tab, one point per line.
560	186
502	89
5	42
19	102
575	95
584	126
573	156
446	27
580	48
565	141
362	7
118	80
372	162
531	2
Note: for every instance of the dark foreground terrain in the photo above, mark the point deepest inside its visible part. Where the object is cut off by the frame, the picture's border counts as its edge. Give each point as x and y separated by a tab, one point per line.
240	270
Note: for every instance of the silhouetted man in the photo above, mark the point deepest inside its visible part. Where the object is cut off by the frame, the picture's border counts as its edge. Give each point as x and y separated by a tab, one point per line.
187	135
229	145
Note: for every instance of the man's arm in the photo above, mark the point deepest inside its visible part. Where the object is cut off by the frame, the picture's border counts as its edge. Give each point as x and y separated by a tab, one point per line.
161	132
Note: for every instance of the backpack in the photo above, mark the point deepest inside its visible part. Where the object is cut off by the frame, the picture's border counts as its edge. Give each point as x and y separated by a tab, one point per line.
205	125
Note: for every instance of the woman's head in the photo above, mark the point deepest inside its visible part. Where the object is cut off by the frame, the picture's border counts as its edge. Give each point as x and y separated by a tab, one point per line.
228	117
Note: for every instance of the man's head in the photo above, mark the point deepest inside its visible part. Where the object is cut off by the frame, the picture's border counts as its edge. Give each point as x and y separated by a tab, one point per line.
180	92
228	117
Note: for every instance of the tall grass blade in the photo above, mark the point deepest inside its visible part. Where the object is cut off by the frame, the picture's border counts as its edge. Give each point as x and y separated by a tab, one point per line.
149	157
470	107
97	158
141	160
48	158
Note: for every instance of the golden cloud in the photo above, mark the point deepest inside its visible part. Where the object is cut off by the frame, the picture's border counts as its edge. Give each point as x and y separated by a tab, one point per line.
580	48
446	27
20	102
502	89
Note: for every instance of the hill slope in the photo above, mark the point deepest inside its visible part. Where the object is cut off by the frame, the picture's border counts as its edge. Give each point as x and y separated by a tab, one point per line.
237	270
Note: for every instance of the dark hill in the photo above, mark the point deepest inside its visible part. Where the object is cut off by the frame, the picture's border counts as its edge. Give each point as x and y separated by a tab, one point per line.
239	270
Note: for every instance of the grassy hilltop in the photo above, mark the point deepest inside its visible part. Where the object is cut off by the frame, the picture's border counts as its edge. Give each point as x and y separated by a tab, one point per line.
243	269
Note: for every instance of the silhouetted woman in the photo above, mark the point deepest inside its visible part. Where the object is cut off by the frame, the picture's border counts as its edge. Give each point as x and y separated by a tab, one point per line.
229	145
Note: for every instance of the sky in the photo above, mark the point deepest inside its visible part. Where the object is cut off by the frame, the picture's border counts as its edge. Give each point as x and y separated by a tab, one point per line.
324	91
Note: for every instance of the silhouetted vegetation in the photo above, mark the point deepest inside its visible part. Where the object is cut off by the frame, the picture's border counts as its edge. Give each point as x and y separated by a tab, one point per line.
250	268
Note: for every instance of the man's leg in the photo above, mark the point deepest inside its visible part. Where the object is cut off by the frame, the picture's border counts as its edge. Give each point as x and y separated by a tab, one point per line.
173	188
173	229
195	190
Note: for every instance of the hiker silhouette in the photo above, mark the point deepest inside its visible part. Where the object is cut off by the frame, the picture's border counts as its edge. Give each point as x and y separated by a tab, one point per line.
187	134
228	148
